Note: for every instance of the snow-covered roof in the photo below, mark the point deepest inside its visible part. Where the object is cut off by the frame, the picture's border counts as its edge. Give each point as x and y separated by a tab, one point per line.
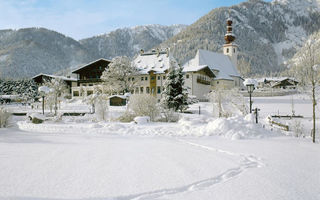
216	61
275	79
116	95
86	65
196	68
56	77
155	61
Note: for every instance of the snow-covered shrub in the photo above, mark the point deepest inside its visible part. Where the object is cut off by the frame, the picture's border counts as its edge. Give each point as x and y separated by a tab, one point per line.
36	118
127	117
297	128
4	117
101	107
144	105
169	115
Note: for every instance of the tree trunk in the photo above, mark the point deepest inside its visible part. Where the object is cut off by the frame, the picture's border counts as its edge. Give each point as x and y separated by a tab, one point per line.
314	103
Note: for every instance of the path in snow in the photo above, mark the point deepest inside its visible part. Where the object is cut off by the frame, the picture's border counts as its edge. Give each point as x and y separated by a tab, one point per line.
247	162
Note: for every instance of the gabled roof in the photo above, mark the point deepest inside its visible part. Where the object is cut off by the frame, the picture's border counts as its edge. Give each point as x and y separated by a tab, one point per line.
54	76
216	62
90	64
158	62
199	68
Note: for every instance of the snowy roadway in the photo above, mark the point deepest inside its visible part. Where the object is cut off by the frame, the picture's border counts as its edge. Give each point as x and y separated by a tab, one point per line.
61	165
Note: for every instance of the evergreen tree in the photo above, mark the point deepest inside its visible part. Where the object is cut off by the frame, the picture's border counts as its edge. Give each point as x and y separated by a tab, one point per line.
169	91
174	95
181	97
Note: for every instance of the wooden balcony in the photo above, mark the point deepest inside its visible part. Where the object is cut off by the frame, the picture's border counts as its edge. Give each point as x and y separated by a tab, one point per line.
204	82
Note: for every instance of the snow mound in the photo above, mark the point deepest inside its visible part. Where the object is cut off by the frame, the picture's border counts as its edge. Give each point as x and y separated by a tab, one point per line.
142	119
236	128
233	128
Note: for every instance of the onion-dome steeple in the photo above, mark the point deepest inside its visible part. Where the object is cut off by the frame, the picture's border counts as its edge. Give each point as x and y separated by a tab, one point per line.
229	36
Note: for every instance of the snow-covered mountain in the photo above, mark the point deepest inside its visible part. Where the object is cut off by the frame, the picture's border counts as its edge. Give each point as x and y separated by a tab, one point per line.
129	41
27	52
268	33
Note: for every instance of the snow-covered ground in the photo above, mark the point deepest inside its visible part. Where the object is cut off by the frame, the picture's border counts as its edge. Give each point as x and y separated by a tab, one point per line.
200	157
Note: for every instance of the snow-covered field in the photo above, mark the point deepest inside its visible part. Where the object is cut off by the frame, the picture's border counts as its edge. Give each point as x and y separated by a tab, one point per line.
199	157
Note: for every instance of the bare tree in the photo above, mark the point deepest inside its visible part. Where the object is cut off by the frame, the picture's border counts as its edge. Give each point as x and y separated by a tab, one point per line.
306	69
244	67
221	98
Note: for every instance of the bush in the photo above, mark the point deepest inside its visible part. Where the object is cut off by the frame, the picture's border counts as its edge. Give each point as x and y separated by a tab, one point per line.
4	117
144	105
127	117
169	115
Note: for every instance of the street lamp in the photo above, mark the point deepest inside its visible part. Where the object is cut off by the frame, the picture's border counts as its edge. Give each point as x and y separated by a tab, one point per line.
250	84
250	88
43	90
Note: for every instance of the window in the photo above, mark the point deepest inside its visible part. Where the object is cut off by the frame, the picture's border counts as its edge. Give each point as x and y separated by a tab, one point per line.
90	84
128	79
153	77
132	78
159	77
142	78
164	77
84	84
159	90
227	50
147	90
75	93
137	90
146	78
141	90
187	76
217	82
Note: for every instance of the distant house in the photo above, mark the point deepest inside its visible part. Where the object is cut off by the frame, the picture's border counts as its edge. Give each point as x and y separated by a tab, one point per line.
88	76
277	83
41	78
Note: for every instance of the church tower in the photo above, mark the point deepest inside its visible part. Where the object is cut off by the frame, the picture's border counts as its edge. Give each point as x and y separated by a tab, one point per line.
229	48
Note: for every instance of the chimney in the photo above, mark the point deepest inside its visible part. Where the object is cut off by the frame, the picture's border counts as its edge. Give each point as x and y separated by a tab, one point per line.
141	52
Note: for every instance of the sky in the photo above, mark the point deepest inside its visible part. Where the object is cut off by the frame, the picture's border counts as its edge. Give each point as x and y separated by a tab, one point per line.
86	18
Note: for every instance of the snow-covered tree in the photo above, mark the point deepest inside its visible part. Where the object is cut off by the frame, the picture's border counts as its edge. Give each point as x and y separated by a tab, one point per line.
182	96
174	95
58	91
4	117
144	105
307	69
25	88
227	102
119	76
